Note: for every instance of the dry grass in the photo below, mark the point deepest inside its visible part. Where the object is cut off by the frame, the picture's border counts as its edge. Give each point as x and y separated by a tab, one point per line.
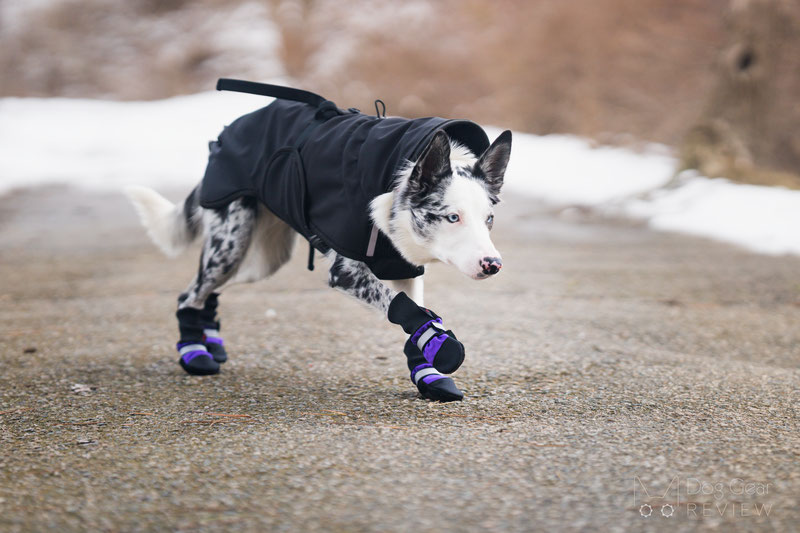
125	50
593	68
619	71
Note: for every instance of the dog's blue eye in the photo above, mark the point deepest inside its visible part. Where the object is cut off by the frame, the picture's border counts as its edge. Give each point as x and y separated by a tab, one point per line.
490	221
453	218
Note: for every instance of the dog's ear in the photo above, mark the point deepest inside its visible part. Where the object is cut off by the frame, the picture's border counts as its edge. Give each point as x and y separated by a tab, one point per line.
491	166
431	168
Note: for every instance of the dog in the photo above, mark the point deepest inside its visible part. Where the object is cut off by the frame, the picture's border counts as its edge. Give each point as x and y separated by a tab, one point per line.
437	205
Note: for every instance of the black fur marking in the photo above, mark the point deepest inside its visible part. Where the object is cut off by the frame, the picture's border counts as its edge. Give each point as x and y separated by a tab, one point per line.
229	230
431	218
190	206
431	172
357	280
477	174
464	172
428	210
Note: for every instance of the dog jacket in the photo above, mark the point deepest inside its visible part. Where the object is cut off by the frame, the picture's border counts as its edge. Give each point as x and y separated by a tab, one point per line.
318	167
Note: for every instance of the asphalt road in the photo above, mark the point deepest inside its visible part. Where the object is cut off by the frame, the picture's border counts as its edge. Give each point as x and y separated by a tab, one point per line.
611	372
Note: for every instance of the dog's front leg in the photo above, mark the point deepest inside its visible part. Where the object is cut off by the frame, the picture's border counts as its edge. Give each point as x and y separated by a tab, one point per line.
414	287
357	280
429	349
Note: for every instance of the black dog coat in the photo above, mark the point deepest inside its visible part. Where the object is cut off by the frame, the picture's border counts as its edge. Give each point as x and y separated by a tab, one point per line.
318	167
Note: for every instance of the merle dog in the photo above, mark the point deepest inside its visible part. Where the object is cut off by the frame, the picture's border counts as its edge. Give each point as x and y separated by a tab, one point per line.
439	207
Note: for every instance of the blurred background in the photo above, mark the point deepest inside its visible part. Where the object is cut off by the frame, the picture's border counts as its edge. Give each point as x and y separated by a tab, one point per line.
604	352
716	80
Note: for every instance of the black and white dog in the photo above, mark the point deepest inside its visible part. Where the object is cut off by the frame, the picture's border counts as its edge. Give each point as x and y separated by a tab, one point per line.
437	207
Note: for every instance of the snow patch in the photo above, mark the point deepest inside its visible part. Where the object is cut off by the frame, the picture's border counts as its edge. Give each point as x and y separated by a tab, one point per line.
563	170
163	144
566	170
763	219
108	145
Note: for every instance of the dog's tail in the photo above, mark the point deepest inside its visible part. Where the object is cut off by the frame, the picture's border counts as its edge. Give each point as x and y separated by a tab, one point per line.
171	227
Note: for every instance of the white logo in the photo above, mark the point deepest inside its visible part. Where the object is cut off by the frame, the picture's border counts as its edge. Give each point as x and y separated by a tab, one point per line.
645	510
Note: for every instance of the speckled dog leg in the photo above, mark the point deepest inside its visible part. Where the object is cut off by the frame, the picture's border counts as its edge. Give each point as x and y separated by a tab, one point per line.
229	231
356	279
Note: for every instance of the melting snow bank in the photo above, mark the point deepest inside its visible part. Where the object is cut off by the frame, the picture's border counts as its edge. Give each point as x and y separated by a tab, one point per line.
107	145
564	170
763	219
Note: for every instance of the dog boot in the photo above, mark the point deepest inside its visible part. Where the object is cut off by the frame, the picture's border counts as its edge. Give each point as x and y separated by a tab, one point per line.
211	336
214	345
439	347
430	383
195	358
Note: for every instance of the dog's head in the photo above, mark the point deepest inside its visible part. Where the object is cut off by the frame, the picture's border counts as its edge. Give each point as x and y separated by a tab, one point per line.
444	209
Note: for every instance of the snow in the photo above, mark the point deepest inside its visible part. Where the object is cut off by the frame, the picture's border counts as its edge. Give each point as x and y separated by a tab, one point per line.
763	219
106	145
561	169
103	145
568	171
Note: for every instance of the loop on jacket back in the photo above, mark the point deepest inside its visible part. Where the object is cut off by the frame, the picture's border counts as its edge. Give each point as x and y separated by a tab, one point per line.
377	111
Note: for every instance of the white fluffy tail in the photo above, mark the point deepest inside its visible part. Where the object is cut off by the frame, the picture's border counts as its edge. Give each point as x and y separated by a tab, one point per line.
167	224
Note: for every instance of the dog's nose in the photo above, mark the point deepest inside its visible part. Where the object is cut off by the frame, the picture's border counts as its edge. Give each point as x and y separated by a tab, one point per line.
491	265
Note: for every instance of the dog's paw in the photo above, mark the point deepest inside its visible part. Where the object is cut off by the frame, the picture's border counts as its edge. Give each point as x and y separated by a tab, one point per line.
434	386
196	360
214	345
439	347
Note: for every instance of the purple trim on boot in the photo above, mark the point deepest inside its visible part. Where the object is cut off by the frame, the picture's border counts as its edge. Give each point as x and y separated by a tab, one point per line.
188	356
418	368
432	347
417	334
430	378
214	340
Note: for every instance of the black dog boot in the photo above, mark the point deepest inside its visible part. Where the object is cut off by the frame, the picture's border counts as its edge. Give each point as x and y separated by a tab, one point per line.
214	345
430	383
195	358
439	347
211	337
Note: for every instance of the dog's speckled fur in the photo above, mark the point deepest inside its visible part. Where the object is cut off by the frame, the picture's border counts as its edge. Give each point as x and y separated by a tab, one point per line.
441	209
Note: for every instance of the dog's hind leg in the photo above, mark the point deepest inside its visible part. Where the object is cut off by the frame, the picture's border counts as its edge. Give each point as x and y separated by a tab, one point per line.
271	245
211	327
228	234
429	347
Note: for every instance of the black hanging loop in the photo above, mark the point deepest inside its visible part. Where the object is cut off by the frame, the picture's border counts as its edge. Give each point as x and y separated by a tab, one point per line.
310	256
377	111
